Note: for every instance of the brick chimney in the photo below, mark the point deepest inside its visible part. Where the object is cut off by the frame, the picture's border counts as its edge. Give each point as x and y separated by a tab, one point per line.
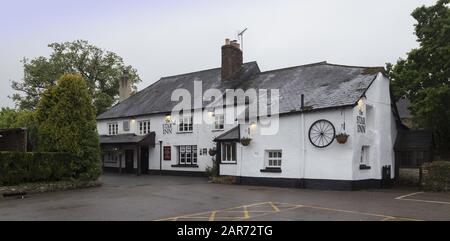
124	87
231	59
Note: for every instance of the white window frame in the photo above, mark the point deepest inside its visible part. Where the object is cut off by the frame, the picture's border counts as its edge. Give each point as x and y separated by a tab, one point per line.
186	124
274	158
113	129
365	157
144	127
187	155
229	152
112	157
219	122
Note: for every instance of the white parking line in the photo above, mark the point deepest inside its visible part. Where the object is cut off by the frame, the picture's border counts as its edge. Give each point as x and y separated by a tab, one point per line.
408	195
404	198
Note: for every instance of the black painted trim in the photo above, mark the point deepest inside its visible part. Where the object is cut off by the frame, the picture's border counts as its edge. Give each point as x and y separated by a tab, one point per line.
228	163
271	170
177	173
320	184
185	166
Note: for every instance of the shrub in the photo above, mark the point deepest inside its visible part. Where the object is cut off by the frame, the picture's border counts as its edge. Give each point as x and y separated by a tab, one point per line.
66	123
437	176
20	167
214	170
224	180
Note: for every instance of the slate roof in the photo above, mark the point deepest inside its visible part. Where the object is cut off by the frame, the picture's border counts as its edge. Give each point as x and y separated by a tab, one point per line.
324	86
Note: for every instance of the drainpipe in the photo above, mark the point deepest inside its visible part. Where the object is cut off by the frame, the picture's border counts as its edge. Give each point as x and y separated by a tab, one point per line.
304	138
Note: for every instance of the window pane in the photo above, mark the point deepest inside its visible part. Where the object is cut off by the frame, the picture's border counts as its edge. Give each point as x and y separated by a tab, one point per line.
224	152
234	152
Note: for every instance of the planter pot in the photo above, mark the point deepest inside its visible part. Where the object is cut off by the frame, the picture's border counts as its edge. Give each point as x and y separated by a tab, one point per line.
212	152
246	141
342	139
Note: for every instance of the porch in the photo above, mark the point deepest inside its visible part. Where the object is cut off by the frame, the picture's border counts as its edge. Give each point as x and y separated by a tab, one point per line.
127	153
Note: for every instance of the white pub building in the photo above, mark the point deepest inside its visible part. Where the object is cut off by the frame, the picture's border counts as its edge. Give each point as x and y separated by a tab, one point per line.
337	127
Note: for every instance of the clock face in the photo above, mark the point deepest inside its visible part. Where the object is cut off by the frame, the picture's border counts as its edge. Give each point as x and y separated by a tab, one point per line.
322	133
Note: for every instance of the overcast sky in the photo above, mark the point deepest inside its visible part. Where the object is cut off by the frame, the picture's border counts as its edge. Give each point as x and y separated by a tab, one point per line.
162	38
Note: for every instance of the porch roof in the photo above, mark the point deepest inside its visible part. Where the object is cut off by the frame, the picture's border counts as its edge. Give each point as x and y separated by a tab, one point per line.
147	140
231	135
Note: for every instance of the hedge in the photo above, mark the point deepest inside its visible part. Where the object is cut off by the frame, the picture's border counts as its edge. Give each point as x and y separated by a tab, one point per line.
21	167
437	176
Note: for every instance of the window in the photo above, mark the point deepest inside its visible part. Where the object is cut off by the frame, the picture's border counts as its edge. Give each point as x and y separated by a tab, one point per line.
187	155
274	159
365	155
144	127
113	129
186	124
112	157
219	120
229	152
126	125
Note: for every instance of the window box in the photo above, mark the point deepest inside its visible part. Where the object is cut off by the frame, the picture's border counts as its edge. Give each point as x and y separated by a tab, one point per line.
185	166
271	170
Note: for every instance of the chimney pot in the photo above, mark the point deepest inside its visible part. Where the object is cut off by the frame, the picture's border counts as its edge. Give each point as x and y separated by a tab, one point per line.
232	59
124	86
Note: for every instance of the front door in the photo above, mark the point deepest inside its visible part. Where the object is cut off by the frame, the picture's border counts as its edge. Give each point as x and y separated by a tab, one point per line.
144	160
129	161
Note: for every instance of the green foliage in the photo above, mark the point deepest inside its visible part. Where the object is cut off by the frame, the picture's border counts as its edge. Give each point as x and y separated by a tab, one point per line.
101	69
224	180
424	76
19	167
66	123
212	171
11	118
437	177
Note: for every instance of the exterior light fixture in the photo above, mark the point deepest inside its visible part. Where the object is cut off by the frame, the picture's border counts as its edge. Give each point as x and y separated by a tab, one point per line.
360	103
168	118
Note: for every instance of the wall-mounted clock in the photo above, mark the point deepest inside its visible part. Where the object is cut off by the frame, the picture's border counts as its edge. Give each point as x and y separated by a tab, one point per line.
322	133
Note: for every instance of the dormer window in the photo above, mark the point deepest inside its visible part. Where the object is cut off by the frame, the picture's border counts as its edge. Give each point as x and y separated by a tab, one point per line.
113	129
144	127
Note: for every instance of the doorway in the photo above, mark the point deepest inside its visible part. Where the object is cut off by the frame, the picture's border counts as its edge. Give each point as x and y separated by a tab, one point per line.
144	159
129	161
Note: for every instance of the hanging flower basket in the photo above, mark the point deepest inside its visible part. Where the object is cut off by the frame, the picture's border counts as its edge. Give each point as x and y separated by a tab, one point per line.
245	141
342	138
212	151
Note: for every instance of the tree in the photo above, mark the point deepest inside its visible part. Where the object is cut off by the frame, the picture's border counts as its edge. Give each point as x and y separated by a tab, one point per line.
11	118
424	76
101	69
66	123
